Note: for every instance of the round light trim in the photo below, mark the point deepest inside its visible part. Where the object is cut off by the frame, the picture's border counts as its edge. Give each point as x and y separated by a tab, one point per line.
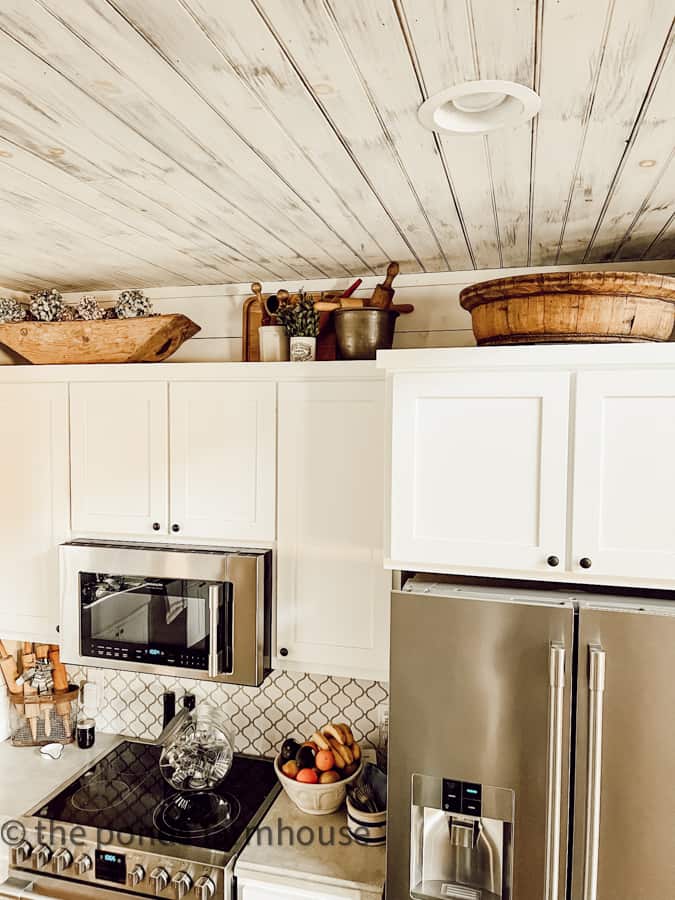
477	107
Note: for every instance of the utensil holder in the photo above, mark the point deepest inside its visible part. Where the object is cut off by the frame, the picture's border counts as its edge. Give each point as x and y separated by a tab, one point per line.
44	719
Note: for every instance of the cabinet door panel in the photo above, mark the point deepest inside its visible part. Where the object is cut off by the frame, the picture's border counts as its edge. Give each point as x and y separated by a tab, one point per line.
624	478
479	469
119	458
223	459
332	593
34	520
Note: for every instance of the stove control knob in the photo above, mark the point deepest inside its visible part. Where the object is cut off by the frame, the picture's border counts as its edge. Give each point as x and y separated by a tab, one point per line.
41	856
160	879
62	860
83	864
21	853
136	875
205	888
182	884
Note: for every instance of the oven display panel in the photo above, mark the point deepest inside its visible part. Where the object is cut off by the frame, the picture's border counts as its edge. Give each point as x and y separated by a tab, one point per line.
111	866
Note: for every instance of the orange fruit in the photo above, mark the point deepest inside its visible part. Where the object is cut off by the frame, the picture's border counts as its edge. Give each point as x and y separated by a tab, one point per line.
290	768
307	776
325	761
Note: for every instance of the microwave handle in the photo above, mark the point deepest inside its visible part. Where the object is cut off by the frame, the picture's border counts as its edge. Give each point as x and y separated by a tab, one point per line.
215	602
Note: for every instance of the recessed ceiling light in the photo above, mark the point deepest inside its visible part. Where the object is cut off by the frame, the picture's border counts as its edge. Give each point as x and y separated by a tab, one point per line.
476	107
647	163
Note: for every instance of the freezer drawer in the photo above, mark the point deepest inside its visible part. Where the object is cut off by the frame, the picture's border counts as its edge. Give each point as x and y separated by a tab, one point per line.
624	835
480	695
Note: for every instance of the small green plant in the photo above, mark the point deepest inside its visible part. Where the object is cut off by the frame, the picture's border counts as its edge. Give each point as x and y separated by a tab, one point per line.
299	319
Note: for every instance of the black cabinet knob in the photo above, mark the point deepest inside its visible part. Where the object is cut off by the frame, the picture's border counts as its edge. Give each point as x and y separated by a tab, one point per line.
156	526
283	652
553	561
585	563
175	528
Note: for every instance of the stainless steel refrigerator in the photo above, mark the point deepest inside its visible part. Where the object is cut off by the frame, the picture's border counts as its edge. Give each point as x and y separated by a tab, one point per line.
531	745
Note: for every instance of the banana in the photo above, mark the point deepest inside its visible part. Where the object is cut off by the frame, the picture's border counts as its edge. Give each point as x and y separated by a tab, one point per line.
349	737
343	755
320	741
335	731
356	751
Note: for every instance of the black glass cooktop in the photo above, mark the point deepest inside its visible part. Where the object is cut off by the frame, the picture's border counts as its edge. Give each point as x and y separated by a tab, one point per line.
125	793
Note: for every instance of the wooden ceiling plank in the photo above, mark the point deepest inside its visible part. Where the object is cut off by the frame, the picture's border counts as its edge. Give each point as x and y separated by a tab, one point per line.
458	42
113	145
70	213
184	55
653	216
632	185
54	231
145	217
570	55
504	37
635	41
306	56
391	85
663	245
261	65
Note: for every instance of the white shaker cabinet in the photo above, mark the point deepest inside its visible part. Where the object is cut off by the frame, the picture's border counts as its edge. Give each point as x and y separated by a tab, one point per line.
34	519
479	470
119	458
223	459
332	589
194	460
624	474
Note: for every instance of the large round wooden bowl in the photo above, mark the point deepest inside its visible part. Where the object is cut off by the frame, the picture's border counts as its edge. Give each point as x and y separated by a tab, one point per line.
572	307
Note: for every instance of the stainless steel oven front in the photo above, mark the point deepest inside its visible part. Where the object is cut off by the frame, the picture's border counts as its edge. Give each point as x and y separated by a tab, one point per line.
198	612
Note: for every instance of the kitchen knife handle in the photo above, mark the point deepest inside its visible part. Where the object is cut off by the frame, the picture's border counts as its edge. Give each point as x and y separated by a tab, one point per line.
596	689
215	594
556	698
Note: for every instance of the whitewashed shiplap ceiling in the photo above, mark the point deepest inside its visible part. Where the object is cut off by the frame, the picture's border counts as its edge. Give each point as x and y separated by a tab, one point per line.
169	142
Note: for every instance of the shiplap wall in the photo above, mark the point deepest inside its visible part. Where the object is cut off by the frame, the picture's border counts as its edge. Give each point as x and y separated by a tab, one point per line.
438	320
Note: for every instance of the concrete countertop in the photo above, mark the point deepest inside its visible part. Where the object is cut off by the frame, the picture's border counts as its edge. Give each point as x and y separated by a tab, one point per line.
315	848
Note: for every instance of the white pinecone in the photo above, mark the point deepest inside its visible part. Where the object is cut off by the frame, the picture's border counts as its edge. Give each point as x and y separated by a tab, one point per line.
46	306
11	310
131	304
89	309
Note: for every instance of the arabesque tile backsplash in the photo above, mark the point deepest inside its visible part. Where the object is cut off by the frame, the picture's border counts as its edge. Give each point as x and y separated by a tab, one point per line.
287	703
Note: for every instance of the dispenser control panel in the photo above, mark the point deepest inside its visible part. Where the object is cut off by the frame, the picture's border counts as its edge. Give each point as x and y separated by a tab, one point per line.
462	797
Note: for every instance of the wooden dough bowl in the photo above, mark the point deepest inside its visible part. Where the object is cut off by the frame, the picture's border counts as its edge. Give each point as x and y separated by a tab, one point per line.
572	307
144	339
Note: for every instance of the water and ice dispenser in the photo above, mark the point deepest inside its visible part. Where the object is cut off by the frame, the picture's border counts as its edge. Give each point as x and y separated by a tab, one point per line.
461	840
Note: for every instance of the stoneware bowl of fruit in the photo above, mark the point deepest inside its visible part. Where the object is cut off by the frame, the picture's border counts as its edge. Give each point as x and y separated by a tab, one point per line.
315	773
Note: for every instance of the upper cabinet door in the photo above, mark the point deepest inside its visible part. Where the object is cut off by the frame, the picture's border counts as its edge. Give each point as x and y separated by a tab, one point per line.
332	589
119	458
624	476
223	460
34	520
479	471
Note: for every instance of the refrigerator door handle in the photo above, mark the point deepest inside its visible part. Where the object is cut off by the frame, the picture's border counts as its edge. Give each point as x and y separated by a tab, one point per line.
556	696
596	689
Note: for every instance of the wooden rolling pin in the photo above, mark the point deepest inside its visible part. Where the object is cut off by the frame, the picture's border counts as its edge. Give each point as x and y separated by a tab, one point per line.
9	670
32	708
331	305
60	676
384	293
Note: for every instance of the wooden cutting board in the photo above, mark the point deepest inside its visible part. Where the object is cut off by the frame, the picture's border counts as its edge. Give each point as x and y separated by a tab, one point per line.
326	345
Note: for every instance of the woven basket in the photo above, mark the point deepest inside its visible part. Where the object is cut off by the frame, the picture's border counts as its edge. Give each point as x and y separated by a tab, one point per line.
44	719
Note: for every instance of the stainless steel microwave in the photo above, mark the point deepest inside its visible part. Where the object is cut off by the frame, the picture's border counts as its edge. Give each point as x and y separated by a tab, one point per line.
199	613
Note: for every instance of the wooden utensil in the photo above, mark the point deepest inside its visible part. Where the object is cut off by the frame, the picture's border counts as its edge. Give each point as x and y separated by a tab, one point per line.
384	293
352	287
9	670
32	709
60	676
